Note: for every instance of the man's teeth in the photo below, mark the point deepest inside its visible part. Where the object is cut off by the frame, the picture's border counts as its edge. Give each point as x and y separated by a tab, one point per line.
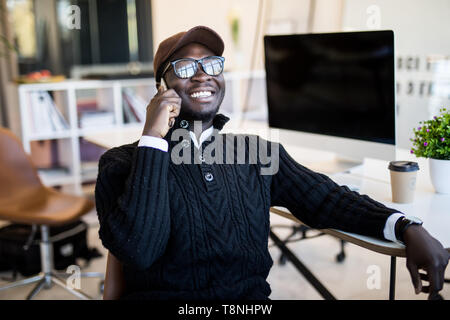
201	94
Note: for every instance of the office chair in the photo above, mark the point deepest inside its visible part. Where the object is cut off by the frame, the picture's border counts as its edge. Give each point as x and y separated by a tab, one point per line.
303	230
24	199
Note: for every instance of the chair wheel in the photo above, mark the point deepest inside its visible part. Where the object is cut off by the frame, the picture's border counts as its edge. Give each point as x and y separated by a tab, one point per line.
282	259
340	257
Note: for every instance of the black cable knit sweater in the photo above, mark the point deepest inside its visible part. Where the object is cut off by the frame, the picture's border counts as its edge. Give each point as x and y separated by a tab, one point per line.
200	231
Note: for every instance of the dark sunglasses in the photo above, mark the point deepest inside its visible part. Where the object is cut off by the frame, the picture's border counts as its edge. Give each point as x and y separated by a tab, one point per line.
186	68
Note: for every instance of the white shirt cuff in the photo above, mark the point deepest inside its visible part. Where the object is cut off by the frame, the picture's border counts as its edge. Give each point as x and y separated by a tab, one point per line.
154	142
389	227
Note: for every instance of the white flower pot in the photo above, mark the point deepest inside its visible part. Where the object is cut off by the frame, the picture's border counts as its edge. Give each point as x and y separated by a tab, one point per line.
440	175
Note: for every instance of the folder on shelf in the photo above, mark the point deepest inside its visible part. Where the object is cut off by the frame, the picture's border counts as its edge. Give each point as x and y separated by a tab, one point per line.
96	118
128	113
137	105
45	115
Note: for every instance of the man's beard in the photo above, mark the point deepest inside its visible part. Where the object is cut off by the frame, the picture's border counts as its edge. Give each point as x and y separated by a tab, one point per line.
192	115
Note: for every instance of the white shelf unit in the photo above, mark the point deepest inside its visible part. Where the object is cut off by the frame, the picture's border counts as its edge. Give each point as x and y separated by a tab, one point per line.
109	96
236	94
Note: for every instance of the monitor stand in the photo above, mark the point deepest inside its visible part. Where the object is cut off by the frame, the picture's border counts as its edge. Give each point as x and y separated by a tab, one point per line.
322	161
340	171
335	166
338	168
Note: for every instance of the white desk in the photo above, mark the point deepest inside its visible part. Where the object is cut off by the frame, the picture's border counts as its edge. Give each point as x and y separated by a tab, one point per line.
116	137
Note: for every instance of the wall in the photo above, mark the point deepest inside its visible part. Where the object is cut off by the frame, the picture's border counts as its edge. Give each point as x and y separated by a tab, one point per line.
9	115
422	30
170	17
327	16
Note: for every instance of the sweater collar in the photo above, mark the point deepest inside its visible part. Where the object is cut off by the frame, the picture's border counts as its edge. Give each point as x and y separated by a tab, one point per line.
219	122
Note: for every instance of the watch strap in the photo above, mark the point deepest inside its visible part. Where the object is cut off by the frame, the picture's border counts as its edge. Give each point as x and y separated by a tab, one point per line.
398	228
403	224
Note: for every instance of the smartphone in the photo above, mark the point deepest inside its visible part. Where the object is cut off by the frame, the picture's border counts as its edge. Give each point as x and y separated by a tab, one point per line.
164	86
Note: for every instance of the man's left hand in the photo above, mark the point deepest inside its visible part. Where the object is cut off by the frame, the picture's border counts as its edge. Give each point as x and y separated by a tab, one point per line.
425	252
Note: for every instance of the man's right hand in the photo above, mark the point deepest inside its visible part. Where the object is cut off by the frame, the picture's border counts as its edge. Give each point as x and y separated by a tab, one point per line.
161	113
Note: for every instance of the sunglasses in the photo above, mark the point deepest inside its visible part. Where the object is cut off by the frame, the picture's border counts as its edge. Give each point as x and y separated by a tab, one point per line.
186	68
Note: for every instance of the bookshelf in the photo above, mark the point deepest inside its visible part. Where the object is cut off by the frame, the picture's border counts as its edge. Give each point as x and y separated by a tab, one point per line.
61	114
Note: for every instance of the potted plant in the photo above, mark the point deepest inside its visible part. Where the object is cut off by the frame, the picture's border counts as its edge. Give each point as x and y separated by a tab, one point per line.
432	140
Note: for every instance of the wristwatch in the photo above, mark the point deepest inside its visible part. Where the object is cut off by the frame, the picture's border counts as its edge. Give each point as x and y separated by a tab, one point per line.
404	223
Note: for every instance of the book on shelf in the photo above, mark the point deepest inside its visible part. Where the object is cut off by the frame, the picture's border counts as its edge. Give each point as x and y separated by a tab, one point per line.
89	169
86	104
128	114
89	166
54	172
45	115
135	107
96	118
89	151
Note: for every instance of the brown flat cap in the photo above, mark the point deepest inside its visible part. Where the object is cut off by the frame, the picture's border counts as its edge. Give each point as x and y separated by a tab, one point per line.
199	34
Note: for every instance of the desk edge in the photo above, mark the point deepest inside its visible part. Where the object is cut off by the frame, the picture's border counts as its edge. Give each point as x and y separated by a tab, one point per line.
396	252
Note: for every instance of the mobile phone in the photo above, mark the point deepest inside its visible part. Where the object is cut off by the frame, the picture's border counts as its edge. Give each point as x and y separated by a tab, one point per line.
164	86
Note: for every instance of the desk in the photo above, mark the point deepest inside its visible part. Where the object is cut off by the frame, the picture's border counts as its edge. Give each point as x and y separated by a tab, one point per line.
116	137
372	178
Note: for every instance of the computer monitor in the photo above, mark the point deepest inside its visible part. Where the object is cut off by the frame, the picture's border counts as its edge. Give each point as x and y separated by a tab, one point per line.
333	91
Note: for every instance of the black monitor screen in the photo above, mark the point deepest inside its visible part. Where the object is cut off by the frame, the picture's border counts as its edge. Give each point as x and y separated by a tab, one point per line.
338	84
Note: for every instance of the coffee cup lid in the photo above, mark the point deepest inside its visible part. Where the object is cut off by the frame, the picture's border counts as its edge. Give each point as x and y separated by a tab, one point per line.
403	166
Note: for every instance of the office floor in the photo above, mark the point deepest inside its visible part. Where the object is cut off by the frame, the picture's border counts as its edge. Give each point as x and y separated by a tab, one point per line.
356	278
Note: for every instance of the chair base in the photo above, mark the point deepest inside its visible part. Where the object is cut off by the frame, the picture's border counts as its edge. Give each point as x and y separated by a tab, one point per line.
46	281
49	276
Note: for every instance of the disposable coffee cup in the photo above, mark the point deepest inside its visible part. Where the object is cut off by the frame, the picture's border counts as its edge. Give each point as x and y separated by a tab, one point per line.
403	180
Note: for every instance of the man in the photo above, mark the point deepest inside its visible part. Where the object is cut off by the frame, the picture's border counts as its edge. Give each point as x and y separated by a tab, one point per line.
199	229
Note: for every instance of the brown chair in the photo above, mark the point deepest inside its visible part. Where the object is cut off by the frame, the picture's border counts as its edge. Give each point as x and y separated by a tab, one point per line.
24	199
114	285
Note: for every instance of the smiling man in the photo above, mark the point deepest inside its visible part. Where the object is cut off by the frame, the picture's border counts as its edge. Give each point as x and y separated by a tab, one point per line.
199	230
199	94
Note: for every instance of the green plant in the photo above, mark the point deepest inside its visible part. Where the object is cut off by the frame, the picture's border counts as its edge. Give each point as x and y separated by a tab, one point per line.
432	138
235	31
234	17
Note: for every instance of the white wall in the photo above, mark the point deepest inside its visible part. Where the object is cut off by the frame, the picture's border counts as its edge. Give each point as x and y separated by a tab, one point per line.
172	16
422	30
327	16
